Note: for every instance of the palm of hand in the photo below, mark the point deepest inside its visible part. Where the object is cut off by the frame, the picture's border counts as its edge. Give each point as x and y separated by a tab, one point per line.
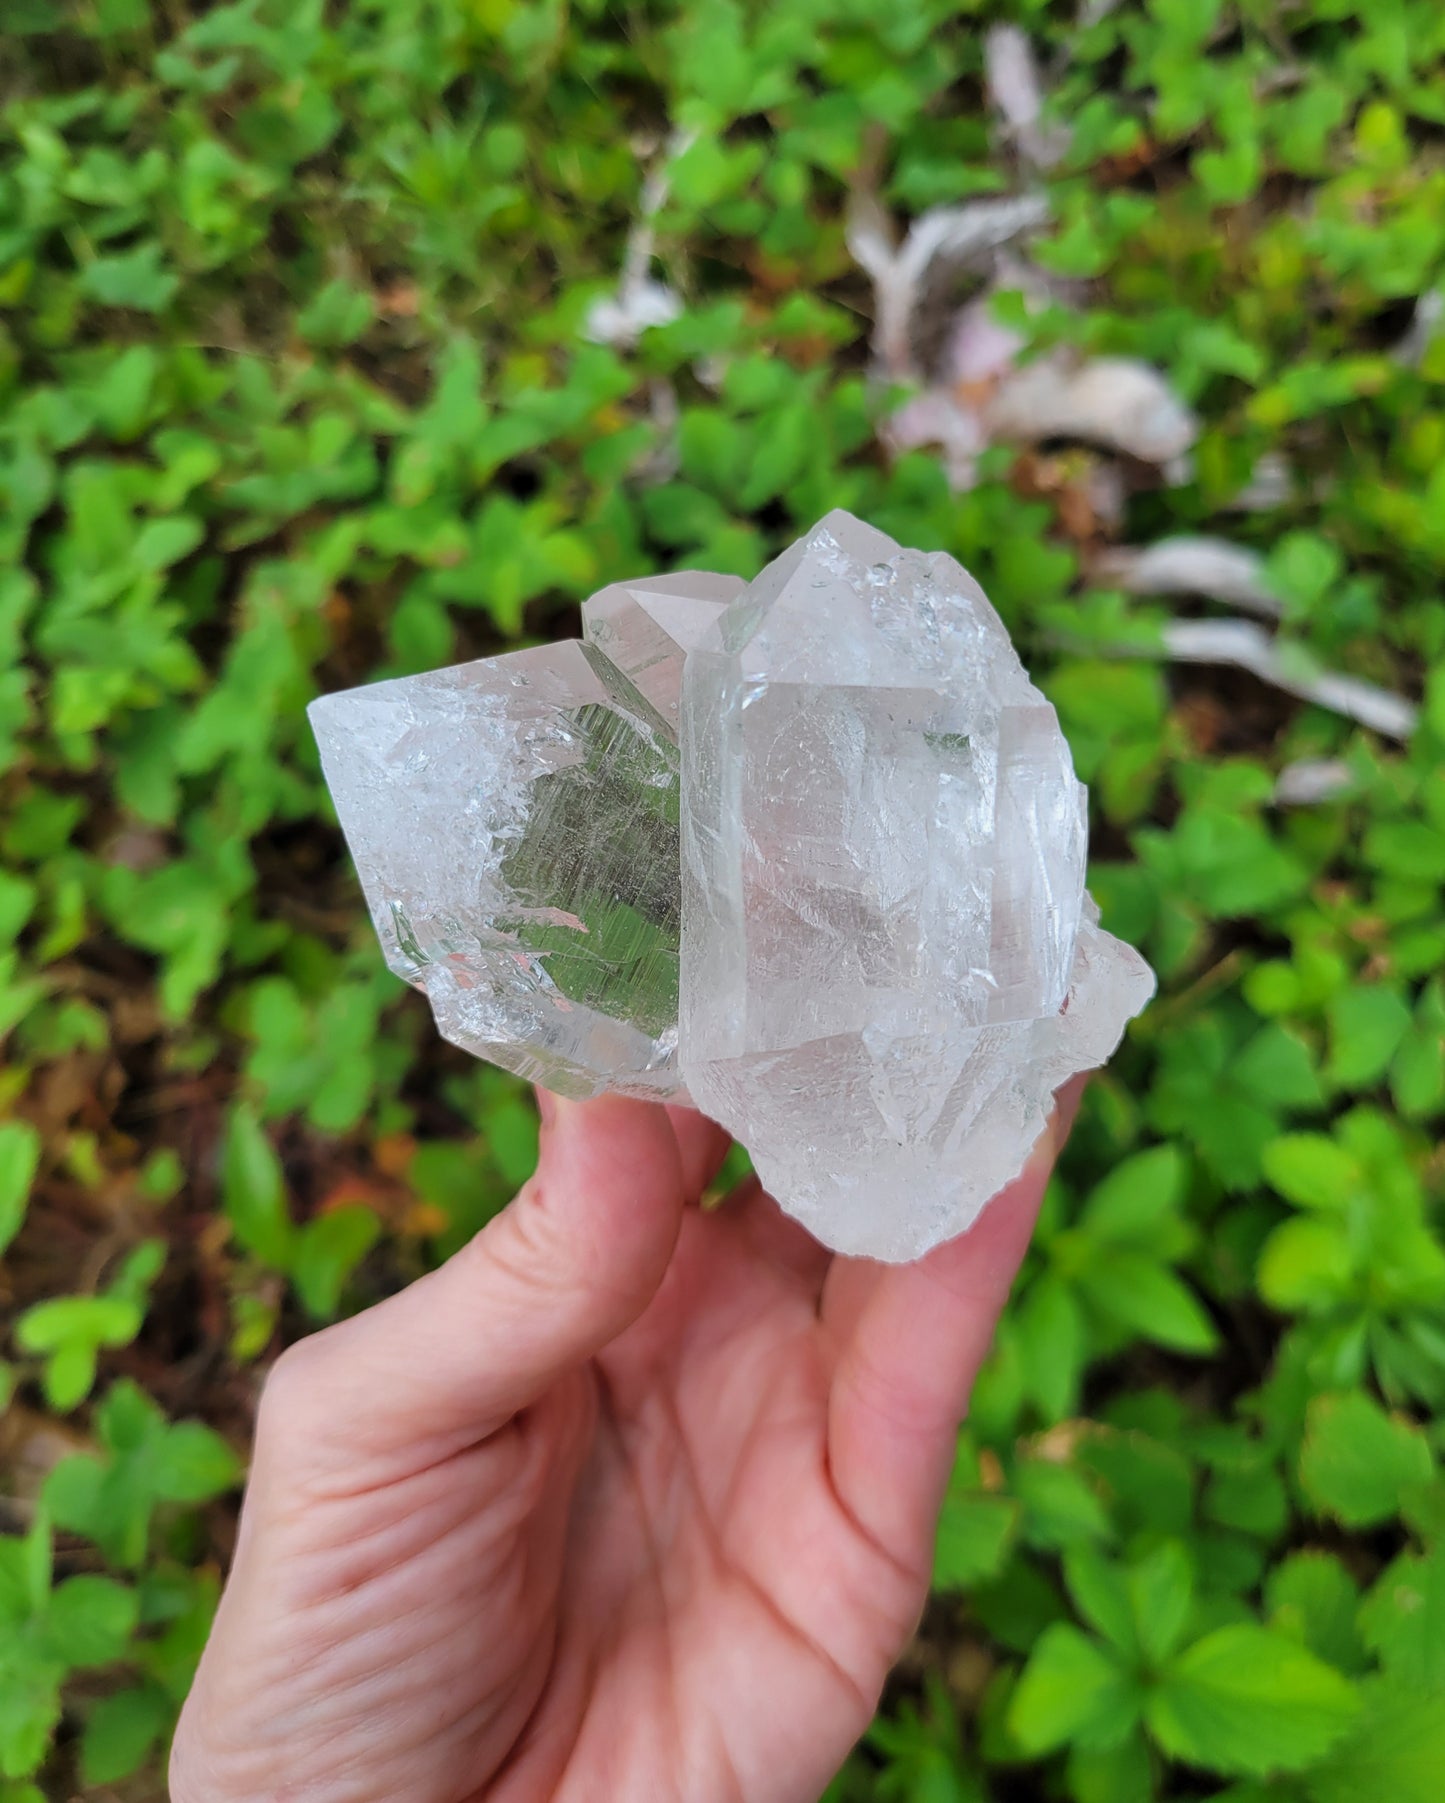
680	1571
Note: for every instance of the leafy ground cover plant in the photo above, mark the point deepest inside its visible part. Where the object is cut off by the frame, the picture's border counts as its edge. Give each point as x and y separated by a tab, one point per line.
324	354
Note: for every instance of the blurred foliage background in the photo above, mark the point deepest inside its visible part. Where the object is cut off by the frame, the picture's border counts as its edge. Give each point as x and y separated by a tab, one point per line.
325	354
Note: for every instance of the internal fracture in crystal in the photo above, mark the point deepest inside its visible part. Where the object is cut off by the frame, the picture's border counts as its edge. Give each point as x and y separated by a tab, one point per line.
813	848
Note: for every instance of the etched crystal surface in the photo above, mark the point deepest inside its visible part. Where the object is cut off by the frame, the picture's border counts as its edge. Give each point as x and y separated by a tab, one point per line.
814	846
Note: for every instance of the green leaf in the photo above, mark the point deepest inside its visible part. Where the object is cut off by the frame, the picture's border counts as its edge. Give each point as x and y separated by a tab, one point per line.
69	1374
1147	1298
1276	1066
136	279
1052	1345
192	1464
975	1528
1071	1690
1403	1619
83	1320
327	1251
1247	1701
1407	848
1306	1265
29	1711
338	315
1313	1599
162	543
120	1733
1101	1595
115	17
1311	1170
510	1126
1121	1774
1356	1461
145	1461
1138	1196
75	1494
1395	1753
1366	1027
139	1270
253	1191
1149	1486
975	1534
89	1621
1304	568
1161	1593
26	1563
1417	1075
1061	1507
19	1160
122	395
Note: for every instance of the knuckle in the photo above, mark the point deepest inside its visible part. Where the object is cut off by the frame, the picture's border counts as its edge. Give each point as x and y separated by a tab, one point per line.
293	1386
550	1251
527	1244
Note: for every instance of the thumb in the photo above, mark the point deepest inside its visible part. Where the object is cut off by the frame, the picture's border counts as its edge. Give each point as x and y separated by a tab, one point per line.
570	1263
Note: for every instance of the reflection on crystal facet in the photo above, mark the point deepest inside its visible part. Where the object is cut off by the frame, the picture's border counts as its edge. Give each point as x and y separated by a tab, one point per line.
637	633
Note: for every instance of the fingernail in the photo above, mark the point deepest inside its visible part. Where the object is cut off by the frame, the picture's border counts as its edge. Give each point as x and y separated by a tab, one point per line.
546	1107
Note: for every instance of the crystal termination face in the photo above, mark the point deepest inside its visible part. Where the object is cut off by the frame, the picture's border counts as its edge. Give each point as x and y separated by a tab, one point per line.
813	848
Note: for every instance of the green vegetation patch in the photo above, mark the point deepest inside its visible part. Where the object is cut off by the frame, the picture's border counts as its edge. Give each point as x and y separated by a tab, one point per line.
302	383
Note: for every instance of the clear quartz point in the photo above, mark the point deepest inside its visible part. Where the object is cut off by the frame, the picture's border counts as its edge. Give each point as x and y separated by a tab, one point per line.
889	962
813	846
514	823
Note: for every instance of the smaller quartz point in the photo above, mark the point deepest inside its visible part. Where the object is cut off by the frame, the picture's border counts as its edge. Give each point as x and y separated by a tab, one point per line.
514	822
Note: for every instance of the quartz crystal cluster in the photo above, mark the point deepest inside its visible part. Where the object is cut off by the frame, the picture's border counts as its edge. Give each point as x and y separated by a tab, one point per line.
810	852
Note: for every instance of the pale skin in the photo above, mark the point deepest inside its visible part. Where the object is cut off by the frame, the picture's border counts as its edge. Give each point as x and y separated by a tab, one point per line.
628	1500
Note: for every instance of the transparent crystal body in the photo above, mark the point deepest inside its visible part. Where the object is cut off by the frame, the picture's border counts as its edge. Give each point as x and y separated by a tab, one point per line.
514	823
888	959
813	848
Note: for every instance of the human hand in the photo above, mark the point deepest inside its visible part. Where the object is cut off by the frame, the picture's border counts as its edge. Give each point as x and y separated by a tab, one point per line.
627	1501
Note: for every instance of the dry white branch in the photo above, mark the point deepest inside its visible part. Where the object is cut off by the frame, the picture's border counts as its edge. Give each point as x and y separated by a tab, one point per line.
1188	565
1012	76
1270	485
1311	781
622	318
937	418
1117	402
1420	333
640	300
1249	647
950	235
